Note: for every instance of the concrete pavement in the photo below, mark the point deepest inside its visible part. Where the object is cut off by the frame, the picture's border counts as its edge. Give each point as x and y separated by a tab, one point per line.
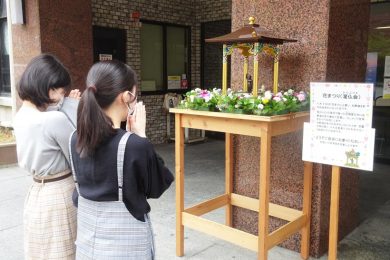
204	179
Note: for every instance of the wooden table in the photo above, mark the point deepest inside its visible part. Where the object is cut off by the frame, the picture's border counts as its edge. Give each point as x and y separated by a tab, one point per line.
251	125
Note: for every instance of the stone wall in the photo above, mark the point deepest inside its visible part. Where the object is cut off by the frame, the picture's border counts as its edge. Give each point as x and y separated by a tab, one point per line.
212	68
321	28
60	28
66	32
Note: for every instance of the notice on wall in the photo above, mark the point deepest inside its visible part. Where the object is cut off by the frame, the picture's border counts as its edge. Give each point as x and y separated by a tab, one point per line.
339	132
174	82
387	66
105	57
386	88
372	65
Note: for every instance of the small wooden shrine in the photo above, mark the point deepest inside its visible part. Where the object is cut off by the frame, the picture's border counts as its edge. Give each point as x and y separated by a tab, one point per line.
251	40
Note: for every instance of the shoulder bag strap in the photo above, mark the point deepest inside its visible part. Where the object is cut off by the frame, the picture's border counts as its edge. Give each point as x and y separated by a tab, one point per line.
120	159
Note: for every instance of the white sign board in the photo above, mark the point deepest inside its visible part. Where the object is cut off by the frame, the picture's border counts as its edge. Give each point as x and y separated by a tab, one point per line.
105	57
340	130
387	66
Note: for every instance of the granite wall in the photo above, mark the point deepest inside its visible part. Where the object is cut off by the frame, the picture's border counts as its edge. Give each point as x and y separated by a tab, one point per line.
332	42
66	31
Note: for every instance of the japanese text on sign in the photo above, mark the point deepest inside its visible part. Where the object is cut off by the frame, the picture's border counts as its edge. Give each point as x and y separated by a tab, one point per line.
340	131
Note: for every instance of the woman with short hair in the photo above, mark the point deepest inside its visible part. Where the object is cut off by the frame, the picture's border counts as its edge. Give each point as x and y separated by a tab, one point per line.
42	148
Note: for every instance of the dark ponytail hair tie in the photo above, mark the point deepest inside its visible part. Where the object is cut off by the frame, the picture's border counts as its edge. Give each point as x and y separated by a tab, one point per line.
93	88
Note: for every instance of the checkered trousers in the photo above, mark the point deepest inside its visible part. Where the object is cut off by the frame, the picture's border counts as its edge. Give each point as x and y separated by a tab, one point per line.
49	221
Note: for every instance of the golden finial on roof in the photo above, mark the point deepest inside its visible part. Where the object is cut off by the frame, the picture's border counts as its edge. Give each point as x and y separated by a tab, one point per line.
251	20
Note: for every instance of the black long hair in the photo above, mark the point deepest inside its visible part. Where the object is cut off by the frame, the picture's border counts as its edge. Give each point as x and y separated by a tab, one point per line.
105	81
44	72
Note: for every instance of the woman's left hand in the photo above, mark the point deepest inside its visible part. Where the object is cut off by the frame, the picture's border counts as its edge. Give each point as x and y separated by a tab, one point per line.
75	93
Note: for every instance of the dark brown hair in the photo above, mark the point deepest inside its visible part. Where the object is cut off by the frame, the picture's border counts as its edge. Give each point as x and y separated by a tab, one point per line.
105	81
43	73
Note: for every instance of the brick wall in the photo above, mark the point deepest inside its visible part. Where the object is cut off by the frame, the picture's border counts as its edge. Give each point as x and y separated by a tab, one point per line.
212	69
117	14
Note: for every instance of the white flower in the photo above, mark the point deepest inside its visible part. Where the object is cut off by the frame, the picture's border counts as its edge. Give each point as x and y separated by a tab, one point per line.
290	91
207	98
237	106
192	98
268	94
260	106
284	99
217	91
198	90
247	95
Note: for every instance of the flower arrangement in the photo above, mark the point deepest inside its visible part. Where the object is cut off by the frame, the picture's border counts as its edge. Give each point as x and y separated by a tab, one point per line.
265	104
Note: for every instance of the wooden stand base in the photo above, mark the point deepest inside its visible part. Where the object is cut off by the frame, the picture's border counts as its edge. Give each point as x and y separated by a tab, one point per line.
265	128
334	213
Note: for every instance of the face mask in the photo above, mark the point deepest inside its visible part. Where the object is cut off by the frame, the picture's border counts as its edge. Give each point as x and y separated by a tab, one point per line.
56	106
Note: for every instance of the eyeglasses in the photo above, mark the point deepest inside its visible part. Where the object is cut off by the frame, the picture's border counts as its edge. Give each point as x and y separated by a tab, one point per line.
131	109
132	94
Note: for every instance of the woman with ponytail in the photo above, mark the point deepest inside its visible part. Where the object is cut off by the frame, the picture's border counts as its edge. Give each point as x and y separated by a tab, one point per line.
115	171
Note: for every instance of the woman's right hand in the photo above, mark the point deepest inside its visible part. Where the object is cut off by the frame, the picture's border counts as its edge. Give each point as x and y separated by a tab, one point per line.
75	93
136	122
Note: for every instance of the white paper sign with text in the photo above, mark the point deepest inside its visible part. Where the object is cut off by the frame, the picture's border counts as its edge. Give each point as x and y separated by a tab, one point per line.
340	130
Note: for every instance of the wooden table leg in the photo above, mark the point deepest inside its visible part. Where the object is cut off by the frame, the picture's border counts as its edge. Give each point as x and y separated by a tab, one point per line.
264	180
229	176
179	167
334	213
307	190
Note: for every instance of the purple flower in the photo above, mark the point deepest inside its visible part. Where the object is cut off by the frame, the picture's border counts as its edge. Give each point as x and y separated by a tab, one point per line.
205	95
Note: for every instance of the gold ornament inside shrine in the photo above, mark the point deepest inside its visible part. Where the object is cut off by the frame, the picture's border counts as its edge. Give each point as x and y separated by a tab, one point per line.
251	40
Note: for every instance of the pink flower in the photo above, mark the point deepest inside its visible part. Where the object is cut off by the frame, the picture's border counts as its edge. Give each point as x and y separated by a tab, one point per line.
205	95
277	98
301	96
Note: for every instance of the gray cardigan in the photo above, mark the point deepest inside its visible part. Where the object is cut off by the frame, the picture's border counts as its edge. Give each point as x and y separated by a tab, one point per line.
42	138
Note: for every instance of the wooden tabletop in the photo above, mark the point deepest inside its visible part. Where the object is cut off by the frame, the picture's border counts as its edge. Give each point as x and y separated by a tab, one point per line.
239	116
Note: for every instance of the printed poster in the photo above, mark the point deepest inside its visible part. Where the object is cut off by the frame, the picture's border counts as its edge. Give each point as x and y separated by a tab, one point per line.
372	65
174	82
386	88
340	130
387	66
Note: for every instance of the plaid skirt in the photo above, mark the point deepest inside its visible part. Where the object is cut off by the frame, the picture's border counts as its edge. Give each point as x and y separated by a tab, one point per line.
50	221
106	230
